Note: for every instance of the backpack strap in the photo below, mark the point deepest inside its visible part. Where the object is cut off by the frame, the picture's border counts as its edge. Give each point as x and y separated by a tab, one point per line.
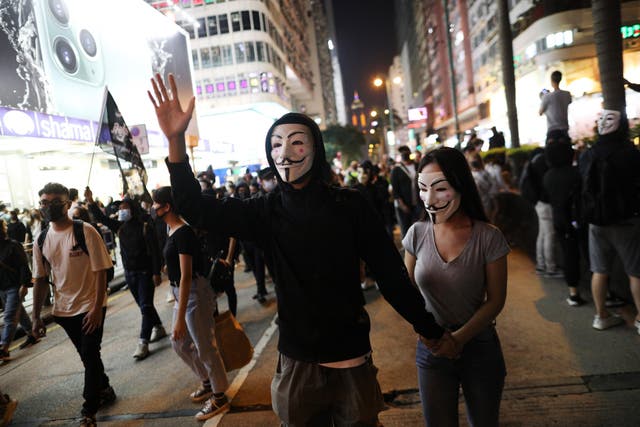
41	237
78	234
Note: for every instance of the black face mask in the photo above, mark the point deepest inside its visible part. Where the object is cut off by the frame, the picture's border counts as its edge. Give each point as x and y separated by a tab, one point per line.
405	157
53	213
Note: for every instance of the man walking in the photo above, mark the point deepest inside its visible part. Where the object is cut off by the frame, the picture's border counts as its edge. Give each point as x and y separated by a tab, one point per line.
405	191
80	282
315	234
555	105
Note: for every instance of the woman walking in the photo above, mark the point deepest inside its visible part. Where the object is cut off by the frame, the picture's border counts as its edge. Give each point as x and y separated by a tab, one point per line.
193	335
459	263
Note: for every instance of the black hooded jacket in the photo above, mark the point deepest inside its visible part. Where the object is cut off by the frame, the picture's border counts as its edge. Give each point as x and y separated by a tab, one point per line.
315	237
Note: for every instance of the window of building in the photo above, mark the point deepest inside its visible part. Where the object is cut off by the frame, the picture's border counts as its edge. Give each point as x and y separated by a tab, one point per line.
205	57
264	23
199	90
197	2
202	28
223	24
189	29
195	60
264	82
186	3
212	25
220	89
208	89
254	83
227	56
250	51
240	56
267	50
232	86
260	52
235	21
246	20
256	20
243	83
216	56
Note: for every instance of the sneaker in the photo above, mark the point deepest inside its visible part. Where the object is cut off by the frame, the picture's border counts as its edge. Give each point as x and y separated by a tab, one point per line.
31	340
4	355
636	323
613	301
557	274
157	333
142	351
9	408
87	421
212	408
201	394
575	300
107	397
540	270
607	322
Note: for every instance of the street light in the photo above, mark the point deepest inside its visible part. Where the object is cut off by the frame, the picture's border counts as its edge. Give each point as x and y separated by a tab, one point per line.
378	82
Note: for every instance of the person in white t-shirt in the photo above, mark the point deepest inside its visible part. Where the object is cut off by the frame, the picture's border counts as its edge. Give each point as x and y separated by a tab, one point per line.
80	283
555	105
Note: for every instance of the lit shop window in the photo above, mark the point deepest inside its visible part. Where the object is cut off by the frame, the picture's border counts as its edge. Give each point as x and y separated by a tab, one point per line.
560	39
209	90
199	90
264	82
231	86
220	90
254	83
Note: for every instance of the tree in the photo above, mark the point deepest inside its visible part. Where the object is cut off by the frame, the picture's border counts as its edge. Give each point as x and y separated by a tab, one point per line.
346	139
606	29
508	75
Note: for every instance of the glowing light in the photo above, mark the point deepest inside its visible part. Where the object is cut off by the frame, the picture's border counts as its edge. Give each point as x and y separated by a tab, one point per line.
373	113
330	43
397	80
378	82
371	131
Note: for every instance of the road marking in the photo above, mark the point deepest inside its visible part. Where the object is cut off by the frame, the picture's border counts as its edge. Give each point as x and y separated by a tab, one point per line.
234	388
56	326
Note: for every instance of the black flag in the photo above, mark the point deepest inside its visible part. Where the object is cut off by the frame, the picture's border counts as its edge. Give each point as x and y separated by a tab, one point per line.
116	139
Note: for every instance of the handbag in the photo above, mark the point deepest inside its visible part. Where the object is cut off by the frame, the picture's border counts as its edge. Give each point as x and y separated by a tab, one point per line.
233	344
220	275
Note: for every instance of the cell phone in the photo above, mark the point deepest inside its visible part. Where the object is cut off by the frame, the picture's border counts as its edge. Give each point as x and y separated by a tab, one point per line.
70	50
543	92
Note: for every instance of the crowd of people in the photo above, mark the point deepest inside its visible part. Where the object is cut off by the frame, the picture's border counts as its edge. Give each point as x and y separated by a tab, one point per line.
450	286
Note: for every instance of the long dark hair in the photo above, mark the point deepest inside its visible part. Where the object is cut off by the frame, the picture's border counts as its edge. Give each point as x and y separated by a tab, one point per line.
456	170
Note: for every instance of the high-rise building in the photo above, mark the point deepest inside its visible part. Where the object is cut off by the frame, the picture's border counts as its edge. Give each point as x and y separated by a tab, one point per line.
358	115
253	61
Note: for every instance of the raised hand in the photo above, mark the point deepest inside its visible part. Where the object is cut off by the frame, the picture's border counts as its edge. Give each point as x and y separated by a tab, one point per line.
172	119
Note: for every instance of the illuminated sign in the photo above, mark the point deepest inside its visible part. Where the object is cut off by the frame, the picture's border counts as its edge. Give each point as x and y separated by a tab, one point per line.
39	125
416	114
630	31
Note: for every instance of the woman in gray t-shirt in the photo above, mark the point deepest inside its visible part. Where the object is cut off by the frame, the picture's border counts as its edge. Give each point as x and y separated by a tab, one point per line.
459	263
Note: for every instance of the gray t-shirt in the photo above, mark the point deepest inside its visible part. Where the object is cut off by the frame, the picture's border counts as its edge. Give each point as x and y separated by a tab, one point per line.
453	291
555	106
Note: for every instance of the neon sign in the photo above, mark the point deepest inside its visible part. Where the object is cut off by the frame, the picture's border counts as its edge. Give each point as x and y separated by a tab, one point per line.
630	31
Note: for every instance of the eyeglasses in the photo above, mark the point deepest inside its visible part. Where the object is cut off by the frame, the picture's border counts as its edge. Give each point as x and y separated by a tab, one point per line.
54	202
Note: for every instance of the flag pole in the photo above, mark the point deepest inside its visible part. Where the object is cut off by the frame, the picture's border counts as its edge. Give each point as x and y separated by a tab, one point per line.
97	139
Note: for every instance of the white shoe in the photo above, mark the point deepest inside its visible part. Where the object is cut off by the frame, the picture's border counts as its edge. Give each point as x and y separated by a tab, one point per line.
607	322
142	351
157	333
637	325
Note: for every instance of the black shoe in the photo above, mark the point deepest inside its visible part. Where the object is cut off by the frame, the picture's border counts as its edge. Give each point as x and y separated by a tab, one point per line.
262	299
31	340
87	421
107	397
575	300
4	355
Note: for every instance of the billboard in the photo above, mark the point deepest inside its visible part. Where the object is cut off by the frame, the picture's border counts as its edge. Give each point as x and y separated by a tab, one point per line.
56	57
416	114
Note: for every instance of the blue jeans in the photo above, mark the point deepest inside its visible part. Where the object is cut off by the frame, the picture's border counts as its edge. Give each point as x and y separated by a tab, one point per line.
480	371
14	312
199	348
142	288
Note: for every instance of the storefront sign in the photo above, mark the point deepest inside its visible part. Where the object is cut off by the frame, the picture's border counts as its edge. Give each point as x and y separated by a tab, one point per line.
630	31
39	125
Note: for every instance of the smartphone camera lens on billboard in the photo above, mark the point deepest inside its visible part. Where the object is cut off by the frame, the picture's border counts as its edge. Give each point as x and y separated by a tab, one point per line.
88	43
59	10
66	56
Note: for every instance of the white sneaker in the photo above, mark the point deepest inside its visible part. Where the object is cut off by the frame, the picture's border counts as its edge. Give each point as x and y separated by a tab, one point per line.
142	351
607	322
636	323
157	333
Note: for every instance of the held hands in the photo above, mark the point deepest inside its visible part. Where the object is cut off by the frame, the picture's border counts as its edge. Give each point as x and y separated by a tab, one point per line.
446	346
37	327
172	119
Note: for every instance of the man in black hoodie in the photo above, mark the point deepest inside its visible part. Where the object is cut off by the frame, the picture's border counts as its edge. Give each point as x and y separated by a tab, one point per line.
315	234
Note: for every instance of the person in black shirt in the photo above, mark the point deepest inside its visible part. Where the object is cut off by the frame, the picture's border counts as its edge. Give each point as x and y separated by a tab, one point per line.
193	337
315	235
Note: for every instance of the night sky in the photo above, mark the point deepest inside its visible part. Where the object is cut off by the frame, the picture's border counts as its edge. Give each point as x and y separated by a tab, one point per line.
366	42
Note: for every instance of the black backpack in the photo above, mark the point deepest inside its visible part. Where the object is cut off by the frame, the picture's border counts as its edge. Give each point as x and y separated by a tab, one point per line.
78	234
603	196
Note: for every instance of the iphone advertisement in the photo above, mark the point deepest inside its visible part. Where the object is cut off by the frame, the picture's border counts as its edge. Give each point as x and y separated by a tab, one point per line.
57	56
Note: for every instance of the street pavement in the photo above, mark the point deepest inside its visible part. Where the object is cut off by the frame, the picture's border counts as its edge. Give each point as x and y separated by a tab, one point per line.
561	372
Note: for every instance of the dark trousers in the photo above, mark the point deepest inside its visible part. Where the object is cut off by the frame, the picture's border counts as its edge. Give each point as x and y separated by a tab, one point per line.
558	135
405	220
310	395
88	347
142	288
570	245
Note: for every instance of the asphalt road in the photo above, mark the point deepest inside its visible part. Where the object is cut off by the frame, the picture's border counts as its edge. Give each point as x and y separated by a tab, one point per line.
560	370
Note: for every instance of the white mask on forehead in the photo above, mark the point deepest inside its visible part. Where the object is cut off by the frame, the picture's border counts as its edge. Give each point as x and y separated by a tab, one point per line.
440	199
609	122
292	151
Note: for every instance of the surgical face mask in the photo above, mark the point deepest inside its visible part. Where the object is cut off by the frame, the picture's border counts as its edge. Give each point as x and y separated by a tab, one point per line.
609	122
292	151
269	185
440	199
124	215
